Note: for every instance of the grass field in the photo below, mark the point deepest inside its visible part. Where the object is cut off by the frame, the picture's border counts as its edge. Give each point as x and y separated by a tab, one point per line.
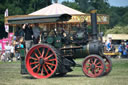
10	75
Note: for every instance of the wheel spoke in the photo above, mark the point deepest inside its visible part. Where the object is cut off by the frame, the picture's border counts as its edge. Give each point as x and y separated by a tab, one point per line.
43	53
87	66
34	63
36	55
91	60
99	67
50	64
94	71
35	66
52	60
99	70
45	69
89	63
42	71
38	69
98	63
89	69
39	51
49	68
95	61
48	56
47	53
33	58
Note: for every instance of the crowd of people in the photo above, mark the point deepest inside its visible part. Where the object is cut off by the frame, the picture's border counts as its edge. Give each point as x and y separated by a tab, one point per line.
11	51
24	37
122	48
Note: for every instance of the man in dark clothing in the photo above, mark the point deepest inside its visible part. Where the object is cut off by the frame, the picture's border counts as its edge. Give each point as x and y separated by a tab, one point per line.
28	36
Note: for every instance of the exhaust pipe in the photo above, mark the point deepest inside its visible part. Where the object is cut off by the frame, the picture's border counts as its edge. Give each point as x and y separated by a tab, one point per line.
94	46
94	25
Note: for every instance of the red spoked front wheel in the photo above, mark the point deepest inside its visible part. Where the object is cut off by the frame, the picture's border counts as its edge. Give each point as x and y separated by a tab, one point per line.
93	66
42	61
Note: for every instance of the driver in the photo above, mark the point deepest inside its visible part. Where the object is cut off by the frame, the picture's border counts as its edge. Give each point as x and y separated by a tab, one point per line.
28	36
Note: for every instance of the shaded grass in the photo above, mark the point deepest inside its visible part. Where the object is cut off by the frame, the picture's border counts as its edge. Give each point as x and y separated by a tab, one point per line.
10	75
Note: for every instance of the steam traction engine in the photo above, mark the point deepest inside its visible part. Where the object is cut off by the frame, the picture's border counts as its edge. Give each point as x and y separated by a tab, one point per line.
55	56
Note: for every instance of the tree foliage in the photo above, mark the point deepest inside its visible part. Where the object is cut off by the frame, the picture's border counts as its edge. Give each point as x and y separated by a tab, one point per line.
87	5
71	5
118	30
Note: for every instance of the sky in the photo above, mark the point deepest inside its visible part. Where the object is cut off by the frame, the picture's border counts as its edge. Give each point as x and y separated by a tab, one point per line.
112	2
118	2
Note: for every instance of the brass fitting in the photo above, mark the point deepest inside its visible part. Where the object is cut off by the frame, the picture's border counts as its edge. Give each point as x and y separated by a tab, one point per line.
93	11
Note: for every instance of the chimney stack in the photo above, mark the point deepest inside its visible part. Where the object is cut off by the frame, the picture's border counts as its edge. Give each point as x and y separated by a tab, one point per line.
94	24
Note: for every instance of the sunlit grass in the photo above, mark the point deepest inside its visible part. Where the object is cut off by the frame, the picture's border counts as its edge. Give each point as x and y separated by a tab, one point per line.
10	75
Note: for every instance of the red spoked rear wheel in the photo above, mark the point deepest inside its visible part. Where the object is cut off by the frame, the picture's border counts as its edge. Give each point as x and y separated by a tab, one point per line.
41	61
93	66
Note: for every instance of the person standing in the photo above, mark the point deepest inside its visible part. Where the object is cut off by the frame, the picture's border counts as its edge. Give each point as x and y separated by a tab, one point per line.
120	50
108	45
125	53
7	52
28	36
36	33
12	52
17	54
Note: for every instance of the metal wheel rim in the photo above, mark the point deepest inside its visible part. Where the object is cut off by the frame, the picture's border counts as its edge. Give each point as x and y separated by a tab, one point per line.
88	69
42	64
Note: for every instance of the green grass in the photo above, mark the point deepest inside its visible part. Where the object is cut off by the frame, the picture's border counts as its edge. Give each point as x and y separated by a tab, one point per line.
10	75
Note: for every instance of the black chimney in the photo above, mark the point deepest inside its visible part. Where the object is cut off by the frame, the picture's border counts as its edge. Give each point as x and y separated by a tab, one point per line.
94	25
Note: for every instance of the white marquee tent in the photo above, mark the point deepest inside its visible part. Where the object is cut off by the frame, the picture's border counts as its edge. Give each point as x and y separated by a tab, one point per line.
56	8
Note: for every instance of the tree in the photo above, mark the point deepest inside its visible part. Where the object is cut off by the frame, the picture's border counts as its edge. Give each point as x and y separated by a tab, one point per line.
118	30
125	18
114	19
102	6
118	16
84	5
73	5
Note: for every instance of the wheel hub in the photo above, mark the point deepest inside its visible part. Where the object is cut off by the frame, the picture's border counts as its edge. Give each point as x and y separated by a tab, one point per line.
41	61
93	66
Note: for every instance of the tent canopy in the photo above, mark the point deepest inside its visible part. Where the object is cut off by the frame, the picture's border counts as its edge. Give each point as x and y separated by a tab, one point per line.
77	16
118	36
56	8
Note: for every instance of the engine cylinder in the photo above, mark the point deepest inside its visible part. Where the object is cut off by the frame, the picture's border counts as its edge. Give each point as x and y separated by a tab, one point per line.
94	47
